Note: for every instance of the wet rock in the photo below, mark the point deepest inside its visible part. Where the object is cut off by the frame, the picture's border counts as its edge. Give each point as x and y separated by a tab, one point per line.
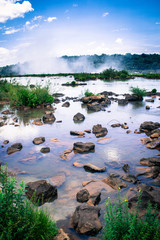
133	98
82	196
91	99
15	119
87	131
49	118
95	107
14	148
116	125
122	102
87	182
37	122
2	124
150	100
130	178
104	140
78	117
145	140
45	150
99	131
154	144
115	183
56	100
94	199
7	112
128	131
153	172
81	147
38	140
41	192
106	93
85	220
154	135
57	95
77	133
147	107
126	167
124	126
61	235
66	104
143	187
6	142
149	126
92	168
153	161
66	154
77	164
113	175
58	180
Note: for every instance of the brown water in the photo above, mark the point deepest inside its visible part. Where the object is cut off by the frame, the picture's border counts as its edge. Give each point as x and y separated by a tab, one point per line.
120	148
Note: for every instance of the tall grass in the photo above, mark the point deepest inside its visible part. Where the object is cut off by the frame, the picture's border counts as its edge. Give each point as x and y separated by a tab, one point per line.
138	91
19	219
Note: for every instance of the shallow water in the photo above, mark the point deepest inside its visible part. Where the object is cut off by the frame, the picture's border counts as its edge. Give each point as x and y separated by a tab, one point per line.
121	147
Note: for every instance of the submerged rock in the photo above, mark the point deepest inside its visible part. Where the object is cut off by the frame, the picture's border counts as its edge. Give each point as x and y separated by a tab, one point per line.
154	144
115	183
49	118
79	117
37	122
99	131
14	148
38	140
41	192
84	147
126	167
153	161
130	178
85	220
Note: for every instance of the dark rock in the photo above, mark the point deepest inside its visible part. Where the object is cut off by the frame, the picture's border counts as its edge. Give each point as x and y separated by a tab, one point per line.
61	235
99	131
83	195
15	119
66	104
122	102
94	199
77	133
91	99
56	100
78	117
57	95
41	192
115	183
116	125
7	112
45	150
6	142
87	131
85	220
105	93
149	126
92	168
154	144
149	100
38	140
49	118
145	140
153	161
2	124
147	107
133	98
130	178
95	107
126	167
113	175
84	147
14	148
37	122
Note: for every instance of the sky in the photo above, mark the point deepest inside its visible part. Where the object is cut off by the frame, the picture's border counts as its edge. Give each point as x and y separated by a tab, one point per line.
38	30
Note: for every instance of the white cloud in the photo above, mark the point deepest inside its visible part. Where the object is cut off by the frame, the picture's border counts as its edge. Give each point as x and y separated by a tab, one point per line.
75	5
105	14
120	29
157	22
10	9
50	19
11	31
119	40
7	56
27	23
37	18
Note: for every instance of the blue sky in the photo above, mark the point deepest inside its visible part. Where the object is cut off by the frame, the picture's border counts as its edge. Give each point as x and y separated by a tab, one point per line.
37	29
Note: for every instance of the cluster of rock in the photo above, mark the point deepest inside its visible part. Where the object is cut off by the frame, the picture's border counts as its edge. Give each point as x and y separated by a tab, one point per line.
96	103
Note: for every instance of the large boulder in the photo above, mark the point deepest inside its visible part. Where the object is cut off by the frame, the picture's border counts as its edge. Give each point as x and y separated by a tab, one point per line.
49	118
149	126
41	192
14	148
84	147
99	131
85	220
79	117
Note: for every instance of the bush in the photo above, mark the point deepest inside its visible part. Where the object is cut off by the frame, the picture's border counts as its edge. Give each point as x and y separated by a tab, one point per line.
88	94
154	90
137	91
19	219
121	224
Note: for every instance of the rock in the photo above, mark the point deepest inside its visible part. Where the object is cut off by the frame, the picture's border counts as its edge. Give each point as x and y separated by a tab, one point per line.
66	104
61	235
115	183
122	102
99	131
38	140
77	164
95	107
83	196
94	199
56	100
14	148
116	125
87	182
147	107
45	150
126	167
58	180
81	147
149	126
145	140
7	112
15	119
133	98
57	95
153	161
6	142
91	99
130	178
128	131
77	133
87	131
37	122
41	192
124	126
92	168
85	220
66	154
154	144
53	139
104	140
113	175
154	135
150	100
2	124
49	118
78	117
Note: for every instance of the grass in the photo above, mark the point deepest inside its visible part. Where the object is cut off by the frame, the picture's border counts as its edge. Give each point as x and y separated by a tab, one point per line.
19	95
19	219
138	91
121	224
88	94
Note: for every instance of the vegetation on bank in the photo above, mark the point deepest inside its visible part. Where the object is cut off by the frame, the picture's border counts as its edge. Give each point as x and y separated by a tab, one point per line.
138	91
149	75
19	95
19	218
122	224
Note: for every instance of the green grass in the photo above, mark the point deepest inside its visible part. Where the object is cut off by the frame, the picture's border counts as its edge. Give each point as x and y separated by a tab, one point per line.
138	91
121	224
19	218
88	94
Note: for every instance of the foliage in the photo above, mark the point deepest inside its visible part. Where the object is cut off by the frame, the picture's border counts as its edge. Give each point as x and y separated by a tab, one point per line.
24	96
19	219
154	90
138	91
88	94
122	224
114	74
73	83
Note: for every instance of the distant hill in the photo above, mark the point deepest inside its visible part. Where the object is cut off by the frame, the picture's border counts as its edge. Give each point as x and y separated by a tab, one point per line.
134	63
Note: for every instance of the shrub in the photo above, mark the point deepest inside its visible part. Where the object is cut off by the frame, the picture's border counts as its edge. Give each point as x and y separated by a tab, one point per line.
19	219
137	91
73	83
154	90
88	94
121	224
